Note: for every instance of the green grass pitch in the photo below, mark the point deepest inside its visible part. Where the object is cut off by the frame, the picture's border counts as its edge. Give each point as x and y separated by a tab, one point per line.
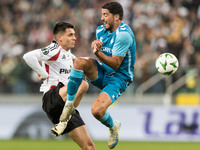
23	144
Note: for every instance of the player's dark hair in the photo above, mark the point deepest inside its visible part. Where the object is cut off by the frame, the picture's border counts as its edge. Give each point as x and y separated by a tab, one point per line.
114	8
60	27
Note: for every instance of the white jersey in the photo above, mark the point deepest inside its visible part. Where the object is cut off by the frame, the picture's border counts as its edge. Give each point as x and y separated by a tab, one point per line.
56	62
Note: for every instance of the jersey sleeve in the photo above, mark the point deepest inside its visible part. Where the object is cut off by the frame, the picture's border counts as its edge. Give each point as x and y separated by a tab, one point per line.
49	54
123	42
32	58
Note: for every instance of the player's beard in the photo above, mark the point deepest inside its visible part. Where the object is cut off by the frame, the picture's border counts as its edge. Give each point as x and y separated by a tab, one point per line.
110	27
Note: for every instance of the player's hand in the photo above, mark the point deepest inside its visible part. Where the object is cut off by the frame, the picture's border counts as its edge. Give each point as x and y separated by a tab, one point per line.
96	46
95	49
40	78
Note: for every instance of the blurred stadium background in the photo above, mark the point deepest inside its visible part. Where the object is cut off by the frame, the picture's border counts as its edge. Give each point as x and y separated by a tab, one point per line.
159	108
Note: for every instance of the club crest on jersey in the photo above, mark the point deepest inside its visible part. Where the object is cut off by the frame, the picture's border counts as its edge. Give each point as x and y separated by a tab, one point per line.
45	51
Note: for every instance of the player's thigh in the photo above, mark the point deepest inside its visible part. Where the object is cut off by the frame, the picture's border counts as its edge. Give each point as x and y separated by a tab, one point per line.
81	136
81	91
88	65
63	92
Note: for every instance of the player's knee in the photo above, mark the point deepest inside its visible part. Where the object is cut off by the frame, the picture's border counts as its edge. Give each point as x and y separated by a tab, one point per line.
90	146
85	86
83	63
80	63
97	112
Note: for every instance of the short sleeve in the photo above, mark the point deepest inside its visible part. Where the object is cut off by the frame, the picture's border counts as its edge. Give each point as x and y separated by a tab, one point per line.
122	44
49	54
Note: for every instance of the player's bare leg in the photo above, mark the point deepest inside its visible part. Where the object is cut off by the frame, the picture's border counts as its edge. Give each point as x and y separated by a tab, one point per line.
60	127
85	142
99	111
88	66
74	83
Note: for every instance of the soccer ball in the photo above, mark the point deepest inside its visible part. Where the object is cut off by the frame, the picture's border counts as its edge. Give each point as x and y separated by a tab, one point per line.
167	64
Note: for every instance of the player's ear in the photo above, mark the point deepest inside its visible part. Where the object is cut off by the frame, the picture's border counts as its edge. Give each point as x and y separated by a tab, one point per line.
58	38
116	17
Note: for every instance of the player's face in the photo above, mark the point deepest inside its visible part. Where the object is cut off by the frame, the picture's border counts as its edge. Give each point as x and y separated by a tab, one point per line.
108	19
68	38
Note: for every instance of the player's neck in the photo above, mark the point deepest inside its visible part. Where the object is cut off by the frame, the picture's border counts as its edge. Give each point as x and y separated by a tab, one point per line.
63	46
116	25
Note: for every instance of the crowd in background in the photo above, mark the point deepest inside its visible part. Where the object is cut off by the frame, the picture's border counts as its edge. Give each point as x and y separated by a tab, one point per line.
159	26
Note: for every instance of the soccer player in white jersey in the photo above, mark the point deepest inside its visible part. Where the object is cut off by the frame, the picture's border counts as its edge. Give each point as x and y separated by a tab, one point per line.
115	48
57	62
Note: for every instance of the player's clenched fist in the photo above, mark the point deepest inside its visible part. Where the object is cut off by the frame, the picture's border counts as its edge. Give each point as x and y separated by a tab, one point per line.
96	45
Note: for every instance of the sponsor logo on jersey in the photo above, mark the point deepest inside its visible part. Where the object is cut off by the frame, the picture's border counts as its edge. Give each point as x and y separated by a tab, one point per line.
106	49
45	51
65	71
